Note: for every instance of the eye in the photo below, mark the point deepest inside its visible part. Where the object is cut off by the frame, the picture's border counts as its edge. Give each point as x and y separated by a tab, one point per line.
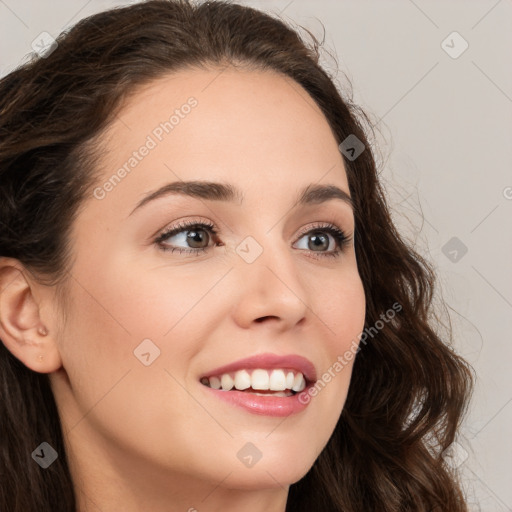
324	239
196	234
320	238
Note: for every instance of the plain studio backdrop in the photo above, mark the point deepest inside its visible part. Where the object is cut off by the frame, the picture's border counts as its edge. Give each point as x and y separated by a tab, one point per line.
434	79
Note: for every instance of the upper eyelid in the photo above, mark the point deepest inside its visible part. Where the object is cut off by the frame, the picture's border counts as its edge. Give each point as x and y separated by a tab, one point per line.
331	212
212	227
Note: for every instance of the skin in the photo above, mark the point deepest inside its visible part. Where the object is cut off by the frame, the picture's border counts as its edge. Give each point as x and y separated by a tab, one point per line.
149	437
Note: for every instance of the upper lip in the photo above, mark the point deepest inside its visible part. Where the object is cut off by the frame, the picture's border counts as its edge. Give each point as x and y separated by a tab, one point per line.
292	361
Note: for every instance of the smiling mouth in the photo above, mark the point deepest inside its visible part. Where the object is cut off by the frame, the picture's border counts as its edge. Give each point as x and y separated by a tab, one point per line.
280	382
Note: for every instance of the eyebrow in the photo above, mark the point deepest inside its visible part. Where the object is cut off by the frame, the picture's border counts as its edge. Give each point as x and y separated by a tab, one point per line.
217	191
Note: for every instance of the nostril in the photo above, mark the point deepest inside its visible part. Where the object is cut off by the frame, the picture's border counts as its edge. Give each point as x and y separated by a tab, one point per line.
261	319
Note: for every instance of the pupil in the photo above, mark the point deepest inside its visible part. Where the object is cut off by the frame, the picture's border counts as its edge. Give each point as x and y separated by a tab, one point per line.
318	240
194	237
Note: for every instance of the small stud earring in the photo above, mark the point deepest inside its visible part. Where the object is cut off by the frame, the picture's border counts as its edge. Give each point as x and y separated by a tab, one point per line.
40	358
43	331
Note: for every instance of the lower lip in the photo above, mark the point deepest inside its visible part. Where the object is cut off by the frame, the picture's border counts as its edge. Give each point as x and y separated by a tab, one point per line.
263	405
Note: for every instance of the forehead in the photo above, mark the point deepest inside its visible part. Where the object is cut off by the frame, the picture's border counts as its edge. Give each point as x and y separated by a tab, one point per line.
258	128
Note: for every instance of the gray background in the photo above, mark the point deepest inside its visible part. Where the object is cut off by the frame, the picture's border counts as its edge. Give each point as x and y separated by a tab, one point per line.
444	134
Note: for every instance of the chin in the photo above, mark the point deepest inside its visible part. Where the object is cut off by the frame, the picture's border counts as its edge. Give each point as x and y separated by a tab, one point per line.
277	471
264	478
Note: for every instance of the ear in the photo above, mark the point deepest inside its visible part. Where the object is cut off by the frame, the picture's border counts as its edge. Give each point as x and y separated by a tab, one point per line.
22	331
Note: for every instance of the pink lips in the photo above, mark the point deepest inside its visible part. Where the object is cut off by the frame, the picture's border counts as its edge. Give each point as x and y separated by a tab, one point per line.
266	405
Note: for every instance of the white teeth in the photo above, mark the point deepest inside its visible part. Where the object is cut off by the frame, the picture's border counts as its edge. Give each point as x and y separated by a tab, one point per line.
277	380
260	379
215	383
226	382
242	380
298	382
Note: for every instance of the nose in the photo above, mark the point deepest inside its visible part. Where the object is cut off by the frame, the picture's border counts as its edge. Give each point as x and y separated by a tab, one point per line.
270	290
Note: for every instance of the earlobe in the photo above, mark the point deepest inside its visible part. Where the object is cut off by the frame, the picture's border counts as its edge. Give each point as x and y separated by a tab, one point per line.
22	331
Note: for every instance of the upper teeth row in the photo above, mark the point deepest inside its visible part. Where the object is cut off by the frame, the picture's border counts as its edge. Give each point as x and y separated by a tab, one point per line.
274	380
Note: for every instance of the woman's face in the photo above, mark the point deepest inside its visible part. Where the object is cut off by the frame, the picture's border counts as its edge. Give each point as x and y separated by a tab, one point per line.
151	314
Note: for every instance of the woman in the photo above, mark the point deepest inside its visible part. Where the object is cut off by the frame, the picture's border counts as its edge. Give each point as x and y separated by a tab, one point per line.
194	248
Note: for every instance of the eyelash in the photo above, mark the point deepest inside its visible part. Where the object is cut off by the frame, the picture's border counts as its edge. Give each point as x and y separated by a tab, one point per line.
339	236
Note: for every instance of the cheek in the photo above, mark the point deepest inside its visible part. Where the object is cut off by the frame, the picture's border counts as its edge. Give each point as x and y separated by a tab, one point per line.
112	390
135	303
340	304
120	312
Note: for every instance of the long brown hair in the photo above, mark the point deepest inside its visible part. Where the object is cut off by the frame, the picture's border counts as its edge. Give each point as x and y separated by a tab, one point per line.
409	390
